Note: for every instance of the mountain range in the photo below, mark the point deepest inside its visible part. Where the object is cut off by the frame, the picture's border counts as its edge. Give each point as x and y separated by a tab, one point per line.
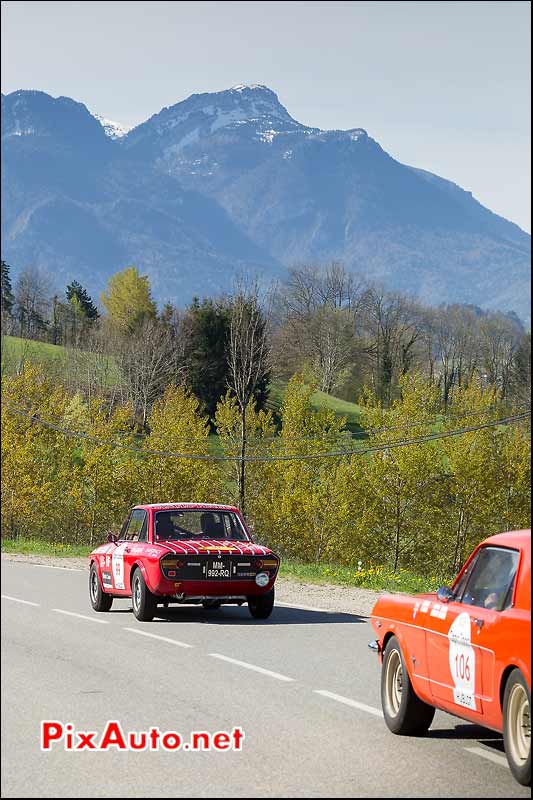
228	181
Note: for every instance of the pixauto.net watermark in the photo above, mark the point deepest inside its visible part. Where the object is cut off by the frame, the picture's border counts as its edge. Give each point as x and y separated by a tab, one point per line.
55	734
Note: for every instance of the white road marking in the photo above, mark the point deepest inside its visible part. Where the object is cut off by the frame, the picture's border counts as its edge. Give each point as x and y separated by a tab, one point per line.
155	636
18	600
349	702
307	608
252	667
49	566
494	757
81	616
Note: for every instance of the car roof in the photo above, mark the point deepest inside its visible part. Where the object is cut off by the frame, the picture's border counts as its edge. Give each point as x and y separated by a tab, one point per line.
518	539
166	506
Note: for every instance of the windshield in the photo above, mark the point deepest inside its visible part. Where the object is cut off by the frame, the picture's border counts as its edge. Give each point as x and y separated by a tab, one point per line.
198	524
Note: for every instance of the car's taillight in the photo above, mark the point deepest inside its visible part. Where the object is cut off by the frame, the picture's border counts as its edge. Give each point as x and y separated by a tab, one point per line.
169	565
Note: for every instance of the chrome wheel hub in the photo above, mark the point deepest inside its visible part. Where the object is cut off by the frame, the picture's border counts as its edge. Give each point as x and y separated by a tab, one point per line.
94	586
136	593
519	724
394	682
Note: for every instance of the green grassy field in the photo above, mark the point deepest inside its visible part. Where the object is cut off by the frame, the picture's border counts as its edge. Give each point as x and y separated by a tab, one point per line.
16	351
318	400
376	578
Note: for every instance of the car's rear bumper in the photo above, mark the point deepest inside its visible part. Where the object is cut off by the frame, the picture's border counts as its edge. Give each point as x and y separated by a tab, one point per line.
216	589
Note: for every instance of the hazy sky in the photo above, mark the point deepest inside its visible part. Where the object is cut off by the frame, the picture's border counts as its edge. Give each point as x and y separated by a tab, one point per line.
441	85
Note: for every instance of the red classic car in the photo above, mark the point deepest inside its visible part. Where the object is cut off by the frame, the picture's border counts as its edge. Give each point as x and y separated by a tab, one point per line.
183	553
465	649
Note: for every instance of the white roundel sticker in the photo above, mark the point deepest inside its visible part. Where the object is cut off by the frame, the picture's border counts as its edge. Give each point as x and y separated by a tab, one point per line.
462	661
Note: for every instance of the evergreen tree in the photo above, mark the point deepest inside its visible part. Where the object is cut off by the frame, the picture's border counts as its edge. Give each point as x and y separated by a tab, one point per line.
76	292
6	293
207	329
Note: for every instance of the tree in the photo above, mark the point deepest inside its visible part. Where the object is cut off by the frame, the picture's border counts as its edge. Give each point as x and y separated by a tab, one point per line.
260	432
402	487
31	303
473	505
177	425
76	290
102	479
33	456
521	371
128	300
248	361
149	359
300	508
319	313
395	326
206	330
7	297
80	312
501	338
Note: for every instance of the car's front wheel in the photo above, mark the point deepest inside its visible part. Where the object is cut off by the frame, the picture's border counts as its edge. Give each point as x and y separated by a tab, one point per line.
100	601
404	712
261	607
517	727
143	601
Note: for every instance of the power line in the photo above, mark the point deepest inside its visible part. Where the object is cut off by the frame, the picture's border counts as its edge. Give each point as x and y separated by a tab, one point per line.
320	437
284	457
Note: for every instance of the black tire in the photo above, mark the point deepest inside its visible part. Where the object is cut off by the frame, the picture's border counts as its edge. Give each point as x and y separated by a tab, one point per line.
261	607
517	727
404	712
211	604
100	601
143	601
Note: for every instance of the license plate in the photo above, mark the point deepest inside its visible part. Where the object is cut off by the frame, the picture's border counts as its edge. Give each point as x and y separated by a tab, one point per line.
218	568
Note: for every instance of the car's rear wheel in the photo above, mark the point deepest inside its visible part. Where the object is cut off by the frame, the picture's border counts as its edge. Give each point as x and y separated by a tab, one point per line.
100	601
404	712
143	601
260	607
517	727
211	604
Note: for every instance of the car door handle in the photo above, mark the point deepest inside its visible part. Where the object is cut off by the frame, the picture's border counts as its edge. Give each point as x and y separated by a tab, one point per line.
478	622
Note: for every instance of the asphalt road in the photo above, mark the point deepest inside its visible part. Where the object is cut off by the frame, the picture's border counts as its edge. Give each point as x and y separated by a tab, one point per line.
303	686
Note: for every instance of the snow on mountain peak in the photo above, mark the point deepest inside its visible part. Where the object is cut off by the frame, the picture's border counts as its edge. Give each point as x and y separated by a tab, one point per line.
112	129
241	87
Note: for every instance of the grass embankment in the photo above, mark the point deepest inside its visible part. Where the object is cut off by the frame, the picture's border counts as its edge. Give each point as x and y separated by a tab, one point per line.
56	359
376	578
365	577
39	547
319	400
15	350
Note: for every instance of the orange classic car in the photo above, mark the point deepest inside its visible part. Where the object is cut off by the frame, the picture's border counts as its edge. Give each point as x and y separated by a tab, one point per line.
465	649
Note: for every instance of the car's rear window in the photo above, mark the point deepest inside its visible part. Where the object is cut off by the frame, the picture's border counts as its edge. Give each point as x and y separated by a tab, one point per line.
198	524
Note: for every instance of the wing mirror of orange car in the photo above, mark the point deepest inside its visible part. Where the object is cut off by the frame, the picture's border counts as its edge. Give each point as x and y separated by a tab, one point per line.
112	537
445	594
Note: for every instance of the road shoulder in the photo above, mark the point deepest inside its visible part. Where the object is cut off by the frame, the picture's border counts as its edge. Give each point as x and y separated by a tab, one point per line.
323	596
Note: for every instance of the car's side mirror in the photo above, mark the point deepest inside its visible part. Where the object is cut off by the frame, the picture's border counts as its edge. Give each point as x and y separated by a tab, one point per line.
112	537
445	594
